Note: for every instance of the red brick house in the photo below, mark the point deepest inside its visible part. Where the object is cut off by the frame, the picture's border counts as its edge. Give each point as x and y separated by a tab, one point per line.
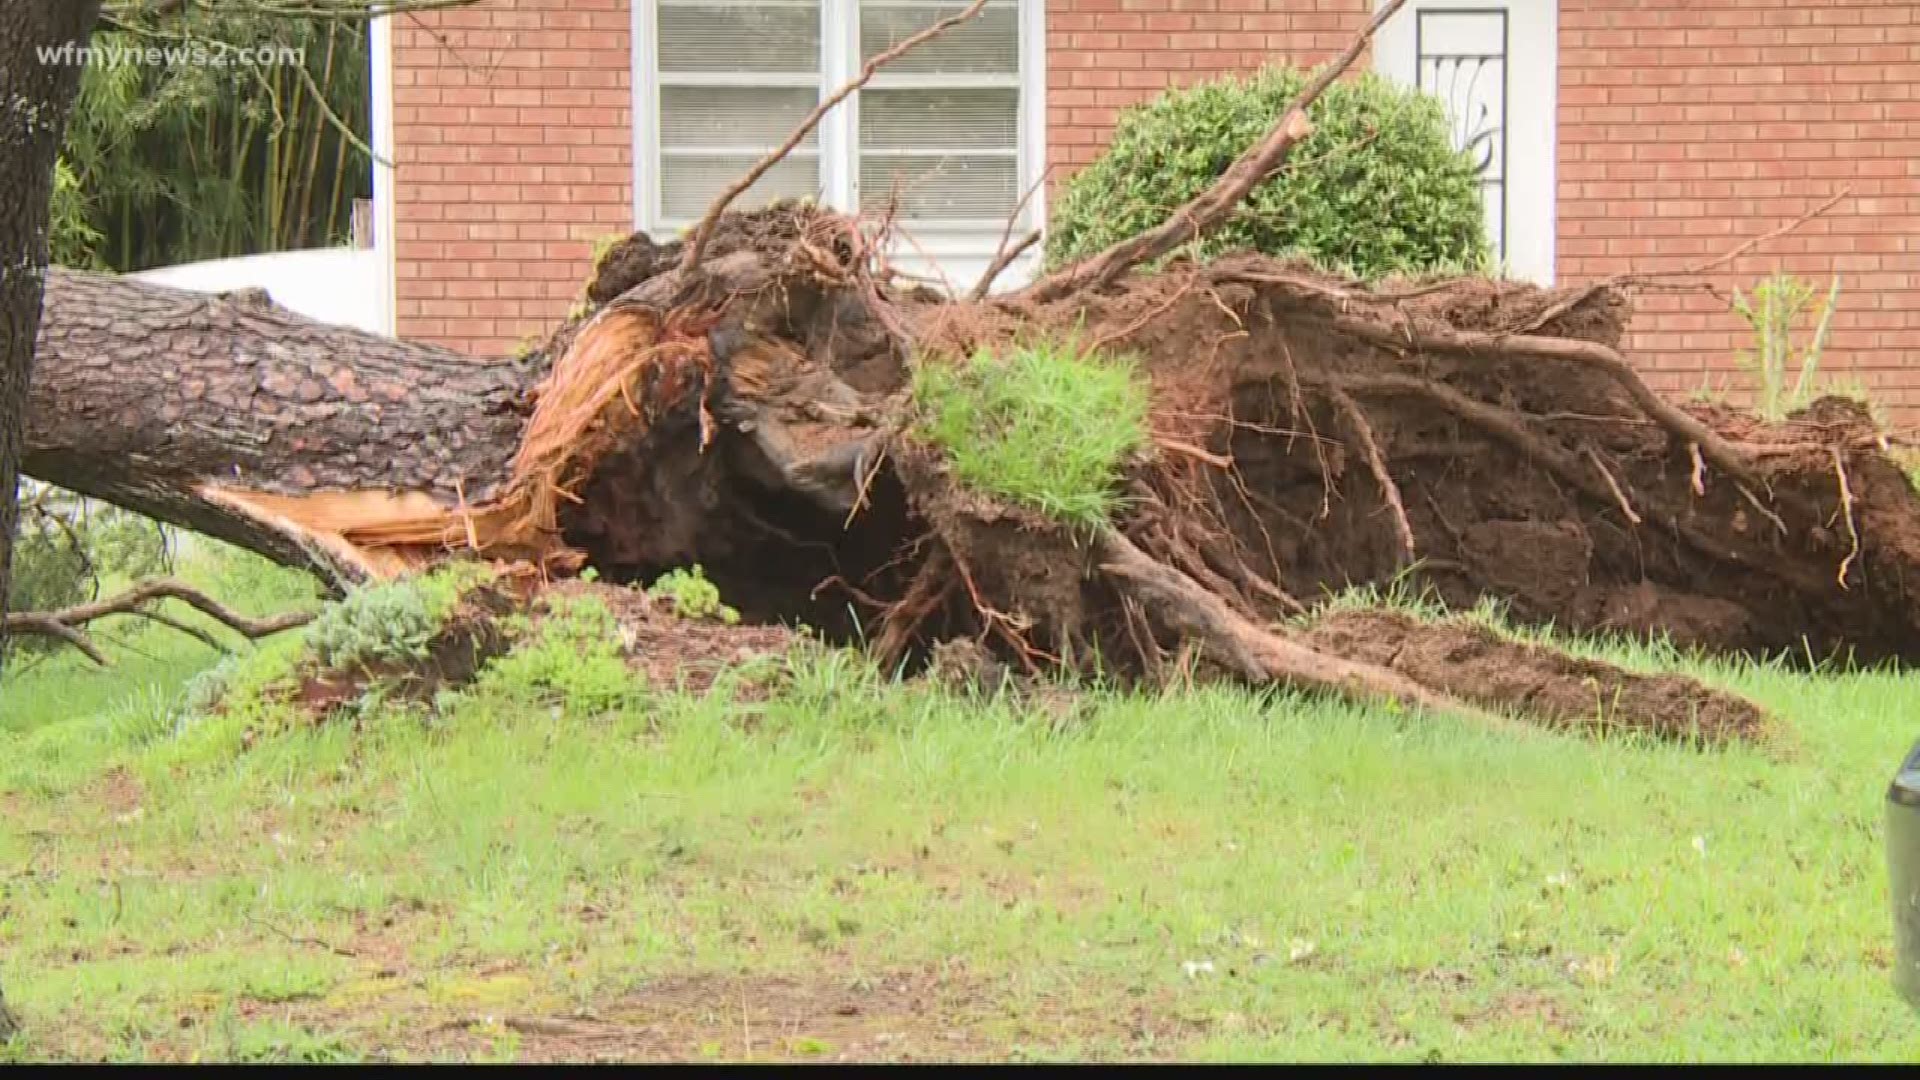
1615	134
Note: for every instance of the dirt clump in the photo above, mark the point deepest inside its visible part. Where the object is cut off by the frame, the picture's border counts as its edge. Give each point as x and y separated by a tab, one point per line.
674	651
1474	663
626	264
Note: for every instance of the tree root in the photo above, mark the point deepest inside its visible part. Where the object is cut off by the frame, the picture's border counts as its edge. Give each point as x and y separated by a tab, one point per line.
1619	496
1551	688
925	595
1507	425
1846	511
1256	655
1588	353
1377	464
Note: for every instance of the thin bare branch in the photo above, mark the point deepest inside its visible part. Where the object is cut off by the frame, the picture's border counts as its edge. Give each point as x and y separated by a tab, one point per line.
21	624
65	623
1647	277
1000	263
172	623
1003	256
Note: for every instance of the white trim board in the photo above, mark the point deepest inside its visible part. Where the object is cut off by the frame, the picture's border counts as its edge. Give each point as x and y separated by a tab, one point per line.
380	105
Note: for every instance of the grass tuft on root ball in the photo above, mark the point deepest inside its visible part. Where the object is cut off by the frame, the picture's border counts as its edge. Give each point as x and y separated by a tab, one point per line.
1048	425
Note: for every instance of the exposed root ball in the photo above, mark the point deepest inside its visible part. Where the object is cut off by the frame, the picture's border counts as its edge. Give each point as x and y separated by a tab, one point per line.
1312	435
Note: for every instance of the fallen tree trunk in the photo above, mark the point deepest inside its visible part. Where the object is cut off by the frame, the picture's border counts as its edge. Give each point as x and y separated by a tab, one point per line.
206	411
1517	468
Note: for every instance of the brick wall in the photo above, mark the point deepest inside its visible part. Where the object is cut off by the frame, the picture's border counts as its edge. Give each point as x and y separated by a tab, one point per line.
513	136
1103	55
1688	125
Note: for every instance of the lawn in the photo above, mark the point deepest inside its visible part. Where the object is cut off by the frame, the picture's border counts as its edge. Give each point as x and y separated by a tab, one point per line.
815	862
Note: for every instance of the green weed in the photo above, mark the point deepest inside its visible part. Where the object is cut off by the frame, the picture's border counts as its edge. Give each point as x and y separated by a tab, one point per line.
569	659
693	596
1774	310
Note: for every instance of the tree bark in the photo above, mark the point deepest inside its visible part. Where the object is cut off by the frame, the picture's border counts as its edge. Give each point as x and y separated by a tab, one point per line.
189	406
35	96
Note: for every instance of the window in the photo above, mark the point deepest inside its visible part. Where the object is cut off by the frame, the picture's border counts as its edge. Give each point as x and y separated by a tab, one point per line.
733	80
948	134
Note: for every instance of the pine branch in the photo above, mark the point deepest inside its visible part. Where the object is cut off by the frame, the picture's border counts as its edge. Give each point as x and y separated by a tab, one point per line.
66	623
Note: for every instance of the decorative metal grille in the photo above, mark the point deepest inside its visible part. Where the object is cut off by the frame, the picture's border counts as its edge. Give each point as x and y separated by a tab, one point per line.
1461	56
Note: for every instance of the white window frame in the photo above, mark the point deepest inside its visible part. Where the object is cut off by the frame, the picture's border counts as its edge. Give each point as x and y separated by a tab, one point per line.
954	246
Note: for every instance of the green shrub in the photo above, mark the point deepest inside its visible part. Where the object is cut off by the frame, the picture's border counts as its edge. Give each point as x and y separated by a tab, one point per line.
1050	425
1376	189
394	621
693	596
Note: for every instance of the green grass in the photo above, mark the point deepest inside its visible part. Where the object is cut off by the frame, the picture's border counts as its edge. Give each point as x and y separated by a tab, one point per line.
1212	874
1050	425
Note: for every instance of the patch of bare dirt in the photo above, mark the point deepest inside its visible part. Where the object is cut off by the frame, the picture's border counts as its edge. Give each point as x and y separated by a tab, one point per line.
904	1016
121	791
675	651
1525	1007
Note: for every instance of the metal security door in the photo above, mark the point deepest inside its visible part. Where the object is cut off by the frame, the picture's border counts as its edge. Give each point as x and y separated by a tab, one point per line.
1494	64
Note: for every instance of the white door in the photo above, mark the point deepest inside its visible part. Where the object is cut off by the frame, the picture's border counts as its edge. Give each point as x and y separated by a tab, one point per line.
1495	64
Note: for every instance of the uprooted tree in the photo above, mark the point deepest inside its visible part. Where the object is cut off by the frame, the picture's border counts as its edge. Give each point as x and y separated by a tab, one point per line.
742	403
